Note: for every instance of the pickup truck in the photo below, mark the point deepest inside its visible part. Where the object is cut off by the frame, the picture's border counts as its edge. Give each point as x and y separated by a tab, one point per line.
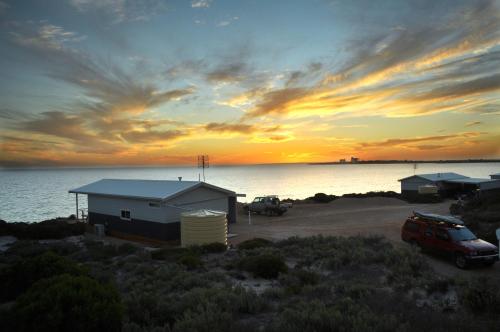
268	205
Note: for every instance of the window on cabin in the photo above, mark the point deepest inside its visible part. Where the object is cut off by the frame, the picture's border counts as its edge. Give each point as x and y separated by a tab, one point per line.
154	204
125	214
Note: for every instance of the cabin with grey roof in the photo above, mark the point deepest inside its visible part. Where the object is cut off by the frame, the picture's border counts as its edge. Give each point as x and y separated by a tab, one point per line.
151	209
449	184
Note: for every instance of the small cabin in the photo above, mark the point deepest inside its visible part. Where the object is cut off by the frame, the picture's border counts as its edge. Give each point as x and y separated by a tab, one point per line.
151	208
448	184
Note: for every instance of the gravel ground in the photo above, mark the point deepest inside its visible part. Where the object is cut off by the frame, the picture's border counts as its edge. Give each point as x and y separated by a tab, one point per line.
346	217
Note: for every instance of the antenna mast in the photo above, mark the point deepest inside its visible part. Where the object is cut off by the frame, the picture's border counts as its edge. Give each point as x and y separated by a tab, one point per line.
203	163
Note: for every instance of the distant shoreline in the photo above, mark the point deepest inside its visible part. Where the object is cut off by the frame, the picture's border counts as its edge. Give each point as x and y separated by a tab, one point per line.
55	167
462	161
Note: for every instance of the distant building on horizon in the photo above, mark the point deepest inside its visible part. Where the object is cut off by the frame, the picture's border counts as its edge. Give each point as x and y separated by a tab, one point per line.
354	160
342	161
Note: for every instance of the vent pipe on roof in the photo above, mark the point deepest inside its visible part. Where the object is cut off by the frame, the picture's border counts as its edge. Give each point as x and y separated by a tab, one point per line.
180	178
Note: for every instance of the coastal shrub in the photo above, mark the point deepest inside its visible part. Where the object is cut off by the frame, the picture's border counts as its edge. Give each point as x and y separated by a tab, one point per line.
345	315
126	249
190	260
48	229
18	277
67	303
205	319
168	254
263	266
296	279
480	296
322	198
254	243
389	194
214	247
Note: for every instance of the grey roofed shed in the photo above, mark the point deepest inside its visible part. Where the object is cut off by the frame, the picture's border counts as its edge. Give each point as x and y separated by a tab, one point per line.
144	189
433	177
151	208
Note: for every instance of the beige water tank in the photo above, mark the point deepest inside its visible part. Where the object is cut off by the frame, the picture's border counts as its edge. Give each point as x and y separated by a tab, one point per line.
203	226
427	189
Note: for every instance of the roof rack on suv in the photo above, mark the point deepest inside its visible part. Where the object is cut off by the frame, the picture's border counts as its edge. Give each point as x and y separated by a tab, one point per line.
438	218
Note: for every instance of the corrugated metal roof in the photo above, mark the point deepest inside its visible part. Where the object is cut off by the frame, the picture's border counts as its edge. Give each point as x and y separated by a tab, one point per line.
437	176
472	180
143	189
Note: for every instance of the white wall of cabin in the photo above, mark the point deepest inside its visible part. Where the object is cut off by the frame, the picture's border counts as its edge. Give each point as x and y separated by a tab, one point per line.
413	183
170	211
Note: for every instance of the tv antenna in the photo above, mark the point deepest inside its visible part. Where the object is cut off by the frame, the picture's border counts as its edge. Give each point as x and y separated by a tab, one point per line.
203	163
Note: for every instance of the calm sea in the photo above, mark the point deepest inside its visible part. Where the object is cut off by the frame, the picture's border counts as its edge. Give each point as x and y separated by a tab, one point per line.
37	194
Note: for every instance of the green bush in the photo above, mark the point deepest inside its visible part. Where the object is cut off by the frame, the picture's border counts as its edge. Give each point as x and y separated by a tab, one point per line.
254	243
205	319
168	254
345	315
18	277
481	296
48	229
127	249
190	260
322	198
296	279
67	303
263	266
214	247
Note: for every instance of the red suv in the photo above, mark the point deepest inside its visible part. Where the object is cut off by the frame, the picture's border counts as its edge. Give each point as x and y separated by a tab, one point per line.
448	235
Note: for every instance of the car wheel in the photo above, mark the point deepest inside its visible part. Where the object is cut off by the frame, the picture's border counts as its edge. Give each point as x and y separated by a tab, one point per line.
460	261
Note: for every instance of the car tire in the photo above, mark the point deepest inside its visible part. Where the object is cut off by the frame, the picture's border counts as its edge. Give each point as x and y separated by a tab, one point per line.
460	261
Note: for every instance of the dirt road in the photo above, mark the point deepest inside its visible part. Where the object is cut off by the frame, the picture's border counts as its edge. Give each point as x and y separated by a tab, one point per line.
346	217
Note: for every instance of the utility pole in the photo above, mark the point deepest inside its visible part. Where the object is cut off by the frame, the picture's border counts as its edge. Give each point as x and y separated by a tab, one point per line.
203	163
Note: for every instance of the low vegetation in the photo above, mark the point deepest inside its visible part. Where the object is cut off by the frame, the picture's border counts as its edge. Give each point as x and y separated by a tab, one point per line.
298	284
325	198
48	229
481	214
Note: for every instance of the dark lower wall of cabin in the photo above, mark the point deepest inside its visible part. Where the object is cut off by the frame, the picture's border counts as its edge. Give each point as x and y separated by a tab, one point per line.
137	227
231	210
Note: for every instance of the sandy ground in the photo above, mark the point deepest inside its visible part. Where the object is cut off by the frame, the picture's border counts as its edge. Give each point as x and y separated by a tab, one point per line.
346	217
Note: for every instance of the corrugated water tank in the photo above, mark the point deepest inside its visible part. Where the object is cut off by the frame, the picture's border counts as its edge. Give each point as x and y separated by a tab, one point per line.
202	227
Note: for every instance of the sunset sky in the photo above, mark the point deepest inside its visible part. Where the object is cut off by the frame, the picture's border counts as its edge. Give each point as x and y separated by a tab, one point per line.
126	82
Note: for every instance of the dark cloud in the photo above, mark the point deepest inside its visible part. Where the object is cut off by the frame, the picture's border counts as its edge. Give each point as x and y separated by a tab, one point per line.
152	136
59	124
185	68
480	85
223	127
227	73
108	87
405	141
476	25
276	101
298	76
473	123
430	147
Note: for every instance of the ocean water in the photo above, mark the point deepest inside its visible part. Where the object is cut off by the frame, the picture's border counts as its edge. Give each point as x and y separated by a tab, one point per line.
37	194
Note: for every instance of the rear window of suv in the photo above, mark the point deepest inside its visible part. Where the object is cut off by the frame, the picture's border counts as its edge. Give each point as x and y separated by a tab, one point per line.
411	227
